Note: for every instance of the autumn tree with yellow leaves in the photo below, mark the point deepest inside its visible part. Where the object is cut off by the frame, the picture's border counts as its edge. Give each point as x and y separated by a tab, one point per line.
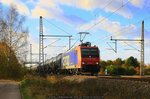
13	42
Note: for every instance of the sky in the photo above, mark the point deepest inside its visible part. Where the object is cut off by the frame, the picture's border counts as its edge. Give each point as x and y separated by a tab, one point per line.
120	19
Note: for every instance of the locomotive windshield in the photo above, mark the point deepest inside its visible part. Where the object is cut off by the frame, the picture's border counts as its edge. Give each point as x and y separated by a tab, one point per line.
90	52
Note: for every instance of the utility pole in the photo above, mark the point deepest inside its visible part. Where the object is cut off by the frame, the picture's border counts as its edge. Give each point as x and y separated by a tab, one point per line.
142	47
81	33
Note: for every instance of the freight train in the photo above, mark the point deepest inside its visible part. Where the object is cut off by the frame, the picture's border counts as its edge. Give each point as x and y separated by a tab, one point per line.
84	58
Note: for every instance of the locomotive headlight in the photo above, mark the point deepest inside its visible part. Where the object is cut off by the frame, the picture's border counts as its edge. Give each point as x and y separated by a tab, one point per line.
83	62
96	62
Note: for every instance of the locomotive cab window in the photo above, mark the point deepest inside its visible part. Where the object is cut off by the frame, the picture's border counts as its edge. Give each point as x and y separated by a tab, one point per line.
90	52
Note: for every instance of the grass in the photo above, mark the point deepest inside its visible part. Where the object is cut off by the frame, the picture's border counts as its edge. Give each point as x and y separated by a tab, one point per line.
56	87
25	90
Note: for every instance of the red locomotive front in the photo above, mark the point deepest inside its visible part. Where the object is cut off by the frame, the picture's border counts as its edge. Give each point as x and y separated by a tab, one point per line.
89	60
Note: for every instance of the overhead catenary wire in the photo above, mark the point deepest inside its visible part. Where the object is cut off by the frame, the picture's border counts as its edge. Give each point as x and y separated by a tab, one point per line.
108	16
113	34
69	36
132	46
73	44
98	12
121	30
52	43
105	6
57	26
105	50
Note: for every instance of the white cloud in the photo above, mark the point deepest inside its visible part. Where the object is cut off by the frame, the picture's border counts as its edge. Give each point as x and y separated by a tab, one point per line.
21	7
35	47
111	27
47	9
147	42
51	8
39	11
94	4
118	8
137	3
101	4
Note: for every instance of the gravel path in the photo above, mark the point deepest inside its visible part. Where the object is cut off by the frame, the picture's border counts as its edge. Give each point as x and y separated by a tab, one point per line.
9	90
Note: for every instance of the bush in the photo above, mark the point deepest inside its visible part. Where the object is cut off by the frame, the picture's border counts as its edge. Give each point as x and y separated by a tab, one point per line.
10	68
115	70
147	71
130	70
118	70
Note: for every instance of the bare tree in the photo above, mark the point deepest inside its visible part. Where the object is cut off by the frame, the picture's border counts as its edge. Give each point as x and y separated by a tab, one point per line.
13	33
1	24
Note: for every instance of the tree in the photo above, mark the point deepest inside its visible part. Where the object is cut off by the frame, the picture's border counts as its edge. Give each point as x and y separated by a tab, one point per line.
13	42
13	33
147	69
130	70
2	24
109	62
131	61
13	71
115	70
118	62
103	65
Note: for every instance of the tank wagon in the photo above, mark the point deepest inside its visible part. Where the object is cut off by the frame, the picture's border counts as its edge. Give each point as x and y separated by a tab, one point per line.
84	58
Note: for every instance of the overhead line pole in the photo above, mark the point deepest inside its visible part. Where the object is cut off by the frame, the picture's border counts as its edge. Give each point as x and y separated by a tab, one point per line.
41	50
41	42
142	51
30	54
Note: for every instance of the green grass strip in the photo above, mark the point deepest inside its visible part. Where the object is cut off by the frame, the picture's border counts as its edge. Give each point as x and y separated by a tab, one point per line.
25	90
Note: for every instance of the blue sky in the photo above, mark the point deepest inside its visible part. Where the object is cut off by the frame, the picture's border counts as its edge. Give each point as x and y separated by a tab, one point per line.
76	16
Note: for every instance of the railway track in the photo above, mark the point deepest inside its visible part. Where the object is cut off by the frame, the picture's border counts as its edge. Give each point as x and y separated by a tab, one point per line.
128	78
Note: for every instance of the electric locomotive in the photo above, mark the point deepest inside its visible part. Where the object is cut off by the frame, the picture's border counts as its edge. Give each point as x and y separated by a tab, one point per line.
84	58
